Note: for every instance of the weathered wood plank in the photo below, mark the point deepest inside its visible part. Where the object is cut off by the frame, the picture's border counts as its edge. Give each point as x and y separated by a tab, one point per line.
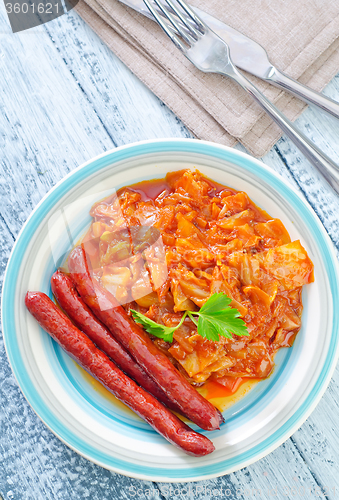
130	112
317	440
283	474
43	137
36	465
324	131
43	116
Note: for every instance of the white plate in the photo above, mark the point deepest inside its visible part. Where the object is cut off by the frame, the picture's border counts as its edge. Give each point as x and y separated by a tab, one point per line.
102	430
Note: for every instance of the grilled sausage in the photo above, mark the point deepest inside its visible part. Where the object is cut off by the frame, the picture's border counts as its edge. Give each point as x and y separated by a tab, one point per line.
97	364
67	297
139	345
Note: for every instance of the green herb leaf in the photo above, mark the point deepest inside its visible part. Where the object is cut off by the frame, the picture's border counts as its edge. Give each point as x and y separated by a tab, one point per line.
224	323
216	318
160	331
207	329
216	303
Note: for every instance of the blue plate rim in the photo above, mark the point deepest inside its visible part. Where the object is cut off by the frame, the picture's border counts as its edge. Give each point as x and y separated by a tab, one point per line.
188	146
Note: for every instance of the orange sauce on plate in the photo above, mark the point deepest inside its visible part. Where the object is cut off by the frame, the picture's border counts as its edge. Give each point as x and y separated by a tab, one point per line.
221	397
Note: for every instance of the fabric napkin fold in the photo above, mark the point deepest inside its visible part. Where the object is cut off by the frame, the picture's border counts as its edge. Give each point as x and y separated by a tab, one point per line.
301	38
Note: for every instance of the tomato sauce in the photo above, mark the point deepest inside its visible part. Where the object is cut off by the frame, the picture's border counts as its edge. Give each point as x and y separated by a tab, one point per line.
215	239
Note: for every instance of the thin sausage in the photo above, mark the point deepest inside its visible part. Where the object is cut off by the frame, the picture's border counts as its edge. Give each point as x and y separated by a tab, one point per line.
97	364
68	298
139	345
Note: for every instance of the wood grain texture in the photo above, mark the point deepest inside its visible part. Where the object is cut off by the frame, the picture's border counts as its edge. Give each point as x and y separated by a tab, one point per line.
64	99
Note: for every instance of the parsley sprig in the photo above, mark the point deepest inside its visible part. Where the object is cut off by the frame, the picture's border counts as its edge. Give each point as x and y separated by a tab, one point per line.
215	318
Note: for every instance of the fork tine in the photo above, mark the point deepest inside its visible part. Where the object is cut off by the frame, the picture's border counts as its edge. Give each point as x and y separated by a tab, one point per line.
182	26
167	29
181	31
199	22
185	20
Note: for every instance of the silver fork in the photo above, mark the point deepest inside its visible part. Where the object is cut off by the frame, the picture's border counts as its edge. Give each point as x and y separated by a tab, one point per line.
209	53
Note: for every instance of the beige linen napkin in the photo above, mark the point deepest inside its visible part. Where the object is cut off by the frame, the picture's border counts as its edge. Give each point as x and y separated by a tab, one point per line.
300	36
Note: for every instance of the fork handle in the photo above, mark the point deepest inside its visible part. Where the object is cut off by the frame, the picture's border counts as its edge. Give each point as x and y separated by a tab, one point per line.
320	160
308	95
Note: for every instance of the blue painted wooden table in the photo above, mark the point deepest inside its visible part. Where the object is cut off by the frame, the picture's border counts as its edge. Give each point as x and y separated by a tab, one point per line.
64	99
